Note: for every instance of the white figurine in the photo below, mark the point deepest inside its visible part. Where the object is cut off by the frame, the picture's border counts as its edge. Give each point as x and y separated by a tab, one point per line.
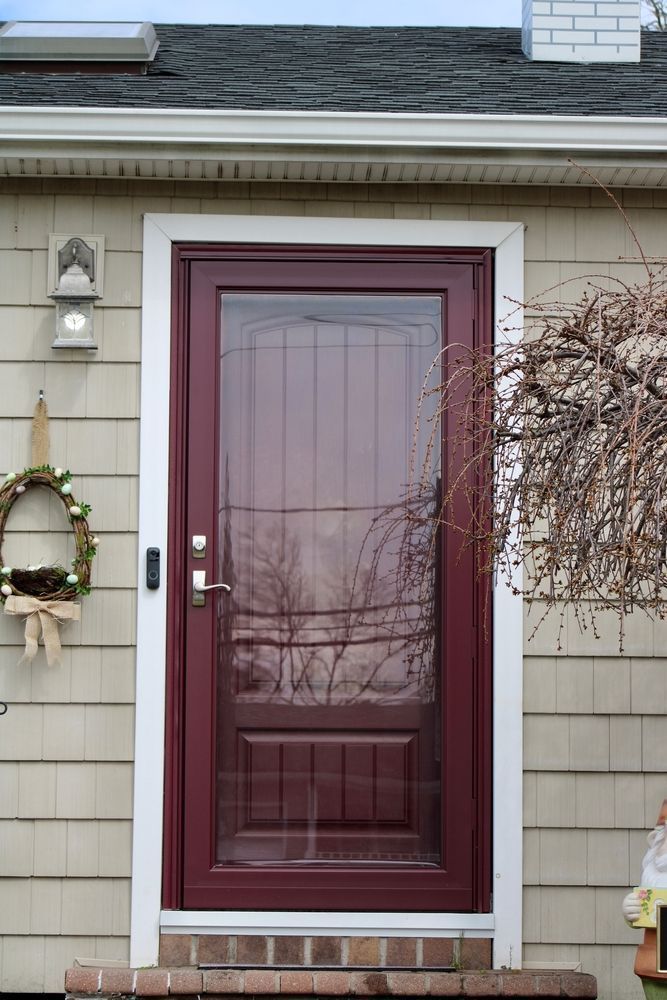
654	876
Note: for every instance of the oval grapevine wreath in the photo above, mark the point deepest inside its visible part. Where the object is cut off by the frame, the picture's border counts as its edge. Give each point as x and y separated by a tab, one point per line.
42	593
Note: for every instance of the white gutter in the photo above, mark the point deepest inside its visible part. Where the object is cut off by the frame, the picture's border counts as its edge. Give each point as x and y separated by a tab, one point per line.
29	131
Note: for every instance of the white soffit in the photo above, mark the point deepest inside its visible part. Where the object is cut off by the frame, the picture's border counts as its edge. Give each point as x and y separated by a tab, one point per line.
331	146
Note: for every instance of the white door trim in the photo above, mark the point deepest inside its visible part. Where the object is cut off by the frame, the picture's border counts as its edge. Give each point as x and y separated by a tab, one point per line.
160	231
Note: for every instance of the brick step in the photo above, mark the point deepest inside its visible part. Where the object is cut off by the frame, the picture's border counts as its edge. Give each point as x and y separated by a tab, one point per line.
250	951
215	984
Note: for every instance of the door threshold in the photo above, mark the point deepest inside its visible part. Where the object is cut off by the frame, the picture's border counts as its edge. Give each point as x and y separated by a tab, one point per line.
325	923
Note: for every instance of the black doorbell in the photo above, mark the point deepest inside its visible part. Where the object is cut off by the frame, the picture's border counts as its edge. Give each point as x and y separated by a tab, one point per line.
152	568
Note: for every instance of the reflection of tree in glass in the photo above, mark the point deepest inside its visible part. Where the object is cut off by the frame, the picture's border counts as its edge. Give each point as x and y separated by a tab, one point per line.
409	533
369	641
227	609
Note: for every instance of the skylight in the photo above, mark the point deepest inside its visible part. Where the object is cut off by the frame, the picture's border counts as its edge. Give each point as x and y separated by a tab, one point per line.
78	41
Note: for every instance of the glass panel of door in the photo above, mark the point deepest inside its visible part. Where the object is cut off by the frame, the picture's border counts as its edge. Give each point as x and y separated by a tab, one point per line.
328	692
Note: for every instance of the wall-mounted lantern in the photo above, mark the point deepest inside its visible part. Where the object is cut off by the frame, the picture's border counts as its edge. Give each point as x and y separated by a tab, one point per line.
74	285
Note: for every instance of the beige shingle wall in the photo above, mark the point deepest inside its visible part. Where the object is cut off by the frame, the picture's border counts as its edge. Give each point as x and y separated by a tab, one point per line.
594	721
588	735
66	745
595	732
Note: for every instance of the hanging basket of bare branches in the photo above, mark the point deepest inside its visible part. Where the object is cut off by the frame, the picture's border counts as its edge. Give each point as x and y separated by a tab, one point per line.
55	582
573	421
569	417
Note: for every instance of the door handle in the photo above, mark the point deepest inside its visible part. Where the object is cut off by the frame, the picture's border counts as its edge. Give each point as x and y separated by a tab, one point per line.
199	588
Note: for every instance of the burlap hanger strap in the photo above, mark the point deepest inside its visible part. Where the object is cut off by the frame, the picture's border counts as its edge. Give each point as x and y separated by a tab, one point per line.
42	617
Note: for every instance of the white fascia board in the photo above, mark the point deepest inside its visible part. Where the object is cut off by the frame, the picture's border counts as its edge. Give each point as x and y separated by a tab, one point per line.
174	128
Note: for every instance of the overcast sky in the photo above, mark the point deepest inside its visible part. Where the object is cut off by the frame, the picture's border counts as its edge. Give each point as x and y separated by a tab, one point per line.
492	12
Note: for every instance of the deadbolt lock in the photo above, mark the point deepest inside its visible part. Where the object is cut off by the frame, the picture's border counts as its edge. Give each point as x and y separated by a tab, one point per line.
198	546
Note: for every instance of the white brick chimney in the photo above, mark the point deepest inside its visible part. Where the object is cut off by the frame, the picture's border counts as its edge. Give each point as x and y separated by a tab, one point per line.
581	30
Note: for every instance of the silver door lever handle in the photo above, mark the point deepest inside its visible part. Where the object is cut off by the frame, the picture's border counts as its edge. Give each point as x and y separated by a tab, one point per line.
199	587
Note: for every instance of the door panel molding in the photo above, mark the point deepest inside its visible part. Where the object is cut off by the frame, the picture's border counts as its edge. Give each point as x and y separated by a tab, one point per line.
160	231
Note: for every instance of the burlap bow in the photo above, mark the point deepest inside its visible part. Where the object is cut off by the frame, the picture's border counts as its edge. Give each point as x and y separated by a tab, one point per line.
44	617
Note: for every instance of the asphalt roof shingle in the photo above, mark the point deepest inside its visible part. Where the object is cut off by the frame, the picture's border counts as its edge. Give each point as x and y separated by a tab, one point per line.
312	68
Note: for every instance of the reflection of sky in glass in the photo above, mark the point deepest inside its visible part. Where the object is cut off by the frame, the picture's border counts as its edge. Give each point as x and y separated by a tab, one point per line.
318	404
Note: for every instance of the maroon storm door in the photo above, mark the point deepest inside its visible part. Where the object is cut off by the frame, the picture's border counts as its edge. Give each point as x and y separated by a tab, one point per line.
328	727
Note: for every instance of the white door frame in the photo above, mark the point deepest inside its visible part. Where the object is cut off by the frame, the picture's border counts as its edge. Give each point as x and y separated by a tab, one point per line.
504	923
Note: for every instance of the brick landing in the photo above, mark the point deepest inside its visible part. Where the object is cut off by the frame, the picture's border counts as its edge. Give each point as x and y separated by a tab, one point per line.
221	984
